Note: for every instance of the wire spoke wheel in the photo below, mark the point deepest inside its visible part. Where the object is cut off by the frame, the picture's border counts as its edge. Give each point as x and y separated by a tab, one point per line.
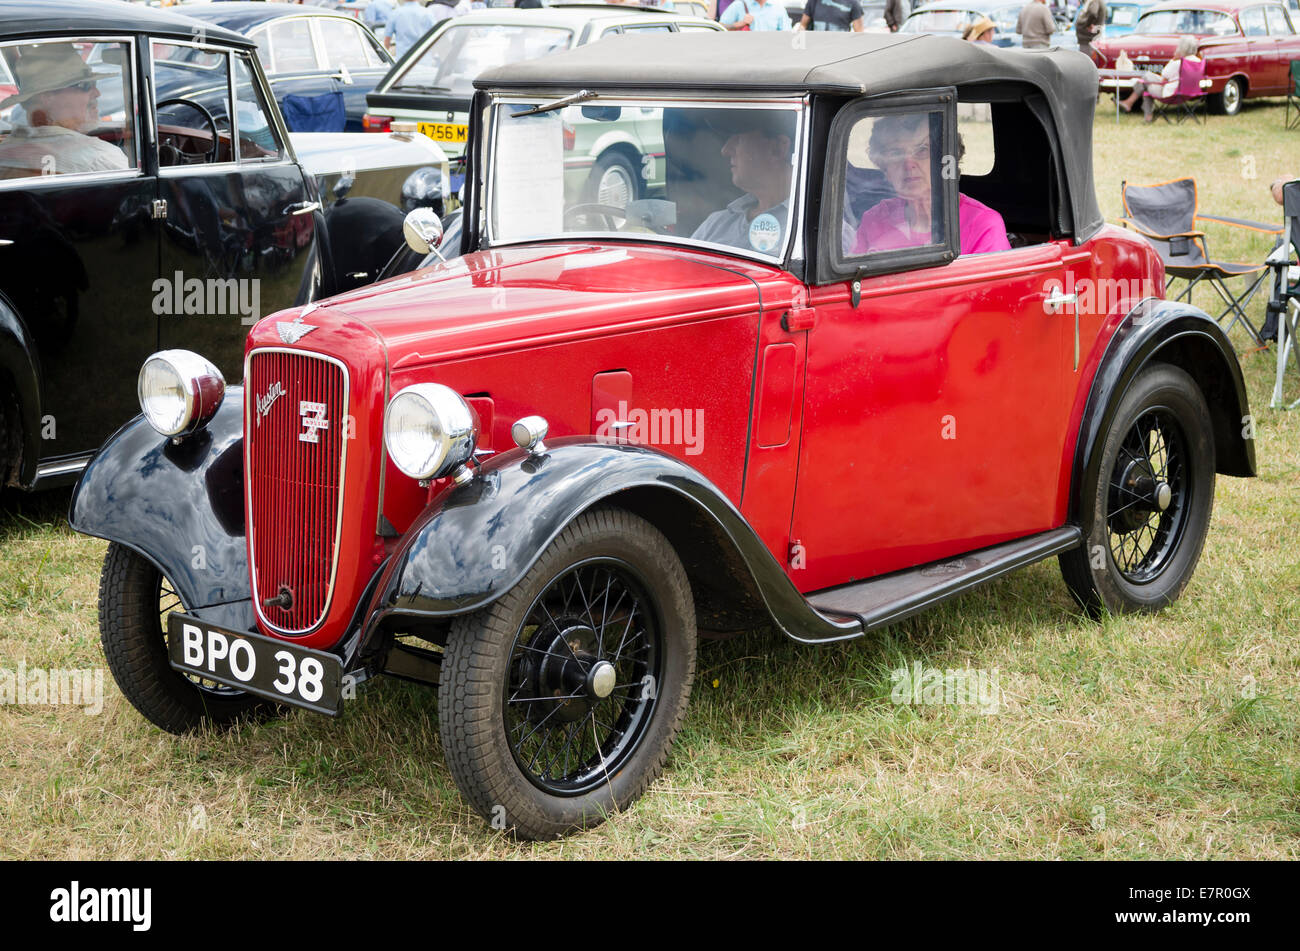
583	670
169	601
559	702
1147	497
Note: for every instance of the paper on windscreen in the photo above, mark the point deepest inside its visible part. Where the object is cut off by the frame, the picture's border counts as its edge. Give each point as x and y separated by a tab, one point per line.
529	180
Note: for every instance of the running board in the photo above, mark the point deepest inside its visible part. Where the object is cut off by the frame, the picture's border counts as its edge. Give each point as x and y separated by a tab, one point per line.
893	597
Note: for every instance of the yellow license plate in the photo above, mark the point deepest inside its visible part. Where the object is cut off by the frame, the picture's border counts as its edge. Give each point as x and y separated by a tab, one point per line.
445	131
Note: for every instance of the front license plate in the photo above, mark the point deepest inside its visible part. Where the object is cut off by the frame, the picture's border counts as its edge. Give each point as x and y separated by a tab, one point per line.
256	664
445	131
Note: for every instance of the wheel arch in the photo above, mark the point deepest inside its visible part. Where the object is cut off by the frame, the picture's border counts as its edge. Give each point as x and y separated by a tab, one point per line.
1159	331
476	541
20	374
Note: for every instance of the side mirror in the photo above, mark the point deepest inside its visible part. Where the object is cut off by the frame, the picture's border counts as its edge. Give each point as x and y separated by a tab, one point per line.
422	230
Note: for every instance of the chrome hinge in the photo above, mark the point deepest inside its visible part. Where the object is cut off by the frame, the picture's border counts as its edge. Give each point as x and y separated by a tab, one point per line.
160	208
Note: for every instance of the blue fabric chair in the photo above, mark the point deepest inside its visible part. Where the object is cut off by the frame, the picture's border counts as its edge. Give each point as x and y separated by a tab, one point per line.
323	113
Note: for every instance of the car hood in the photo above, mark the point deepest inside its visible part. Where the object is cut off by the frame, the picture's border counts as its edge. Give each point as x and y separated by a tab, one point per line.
329	153
520	296
1155	45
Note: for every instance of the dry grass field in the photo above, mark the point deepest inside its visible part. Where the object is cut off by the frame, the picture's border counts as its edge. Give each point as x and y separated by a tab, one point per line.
1174	736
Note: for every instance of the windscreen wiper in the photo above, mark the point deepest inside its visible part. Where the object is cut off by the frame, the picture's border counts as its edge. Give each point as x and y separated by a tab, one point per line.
581	95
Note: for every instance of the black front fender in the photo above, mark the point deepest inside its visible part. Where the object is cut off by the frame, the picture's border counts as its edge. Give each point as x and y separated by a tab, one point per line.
180	505
1167	332
476	541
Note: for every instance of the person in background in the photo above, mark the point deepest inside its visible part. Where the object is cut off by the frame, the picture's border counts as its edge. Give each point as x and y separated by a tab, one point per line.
1092	17
756	15
376	14
408	23
1036	25
895	14
981	31
1166	85
838	16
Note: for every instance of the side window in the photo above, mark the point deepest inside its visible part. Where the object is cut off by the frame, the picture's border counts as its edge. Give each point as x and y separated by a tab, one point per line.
262	37
893	185
292	50
68	108
341	43
192	104
647	28
257	138
1278	24
1252	22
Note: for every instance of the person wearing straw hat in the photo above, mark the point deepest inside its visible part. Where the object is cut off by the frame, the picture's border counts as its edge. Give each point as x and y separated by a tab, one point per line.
981	31
60	100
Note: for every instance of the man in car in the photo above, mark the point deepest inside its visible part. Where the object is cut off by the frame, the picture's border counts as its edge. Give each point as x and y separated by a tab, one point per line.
760	145
60	101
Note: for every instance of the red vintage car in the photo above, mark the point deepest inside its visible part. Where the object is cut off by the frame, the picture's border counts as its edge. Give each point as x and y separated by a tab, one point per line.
1247	46
870	345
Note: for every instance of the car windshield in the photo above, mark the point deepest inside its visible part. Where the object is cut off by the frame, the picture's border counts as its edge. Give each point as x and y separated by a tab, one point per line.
1122	14
460	53
1195	22
720	175
1006	17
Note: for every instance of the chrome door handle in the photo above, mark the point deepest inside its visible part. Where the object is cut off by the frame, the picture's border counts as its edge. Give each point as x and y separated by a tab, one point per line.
302	207
1056	300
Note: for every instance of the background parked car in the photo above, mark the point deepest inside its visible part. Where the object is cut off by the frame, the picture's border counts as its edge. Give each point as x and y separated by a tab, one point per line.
1247	46
1122	16
312	55
195	221
949	19
431	85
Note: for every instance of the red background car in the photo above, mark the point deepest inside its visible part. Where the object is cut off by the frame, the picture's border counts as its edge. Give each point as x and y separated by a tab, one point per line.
1247	46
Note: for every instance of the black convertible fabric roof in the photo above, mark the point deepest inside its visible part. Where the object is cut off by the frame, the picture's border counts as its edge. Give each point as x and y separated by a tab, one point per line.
854	64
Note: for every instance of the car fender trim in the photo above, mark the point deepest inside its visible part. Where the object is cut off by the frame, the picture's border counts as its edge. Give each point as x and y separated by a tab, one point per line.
20	363
1171	332
179	504
476	541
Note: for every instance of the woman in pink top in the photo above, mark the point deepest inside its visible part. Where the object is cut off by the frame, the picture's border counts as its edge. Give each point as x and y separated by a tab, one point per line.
900	147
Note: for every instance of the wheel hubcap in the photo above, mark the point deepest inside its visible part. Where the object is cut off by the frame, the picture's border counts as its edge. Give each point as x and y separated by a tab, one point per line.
615	188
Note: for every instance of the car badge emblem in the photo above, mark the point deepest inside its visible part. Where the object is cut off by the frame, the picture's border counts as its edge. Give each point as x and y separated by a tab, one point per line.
313	420
292	332
264	402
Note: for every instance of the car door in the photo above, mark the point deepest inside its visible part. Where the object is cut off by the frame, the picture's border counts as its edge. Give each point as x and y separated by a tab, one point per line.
238	238
1260	49
934	398
1286	46
287	49
78	247
355	60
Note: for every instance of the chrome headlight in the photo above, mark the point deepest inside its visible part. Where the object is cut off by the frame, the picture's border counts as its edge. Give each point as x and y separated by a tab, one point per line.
179	391
430	431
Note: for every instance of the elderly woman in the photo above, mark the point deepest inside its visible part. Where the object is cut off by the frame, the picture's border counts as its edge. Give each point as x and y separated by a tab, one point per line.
900	147
1168	84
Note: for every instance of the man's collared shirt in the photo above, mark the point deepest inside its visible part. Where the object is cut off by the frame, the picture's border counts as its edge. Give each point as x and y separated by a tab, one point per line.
54	150
767	16
377	13
407	24
733	227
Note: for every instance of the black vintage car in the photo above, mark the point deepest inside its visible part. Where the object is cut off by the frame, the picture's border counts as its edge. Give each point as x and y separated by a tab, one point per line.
132	220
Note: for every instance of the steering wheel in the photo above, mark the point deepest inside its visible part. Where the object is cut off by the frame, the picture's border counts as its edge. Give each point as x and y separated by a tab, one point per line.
597	208
211	154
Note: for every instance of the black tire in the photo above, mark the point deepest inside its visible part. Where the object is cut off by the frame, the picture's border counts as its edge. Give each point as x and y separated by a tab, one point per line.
1136	555
611	168
134	600
503	665
1228	102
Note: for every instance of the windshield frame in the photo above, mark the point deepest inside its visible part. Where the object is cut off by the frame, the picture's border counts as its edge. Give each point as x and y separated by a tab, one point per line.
793	243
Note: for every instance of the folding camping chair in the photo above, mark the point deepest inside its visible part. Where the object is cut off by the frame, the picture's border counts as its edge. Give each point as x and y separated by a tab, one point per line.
1285	303
1190	94
1166	215
1293	97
